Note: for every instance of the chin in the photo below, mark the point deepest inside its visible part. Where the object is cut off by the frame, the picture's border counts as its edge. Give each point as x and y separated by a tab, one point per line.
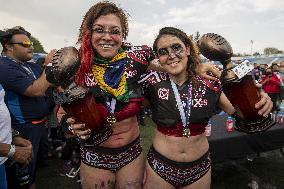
110	54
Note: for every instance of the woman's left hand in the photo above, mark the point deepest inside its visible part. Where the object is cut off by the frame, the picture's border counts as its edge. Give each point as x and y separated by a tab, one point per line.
265	104
203	68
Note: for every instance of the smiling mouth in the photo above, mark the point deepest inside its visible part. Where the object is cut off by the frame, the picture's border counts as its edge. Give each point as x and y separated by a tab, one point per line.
106	46
173	63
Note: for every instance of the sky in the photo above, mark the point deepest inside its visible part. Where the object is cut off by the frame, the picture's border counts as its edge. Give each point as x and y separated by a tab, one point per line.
249	25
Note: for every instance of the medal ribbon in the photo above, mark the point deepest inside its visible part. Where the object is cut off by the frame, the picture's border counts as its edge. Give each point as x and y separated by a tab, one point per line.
183	114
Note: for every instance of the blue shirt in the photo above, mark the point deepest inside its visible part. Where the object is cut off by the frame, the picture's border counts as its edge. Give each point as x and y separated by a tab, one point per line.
16	78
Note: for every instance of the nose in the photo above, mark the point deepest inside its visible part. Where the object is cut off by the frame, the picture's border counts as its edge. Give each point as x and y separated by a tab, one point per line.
106	35
171	54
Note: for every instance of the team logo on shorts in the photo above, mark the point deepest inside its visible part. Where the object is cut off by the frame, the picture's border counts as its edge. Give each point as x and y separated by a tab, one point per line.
163	93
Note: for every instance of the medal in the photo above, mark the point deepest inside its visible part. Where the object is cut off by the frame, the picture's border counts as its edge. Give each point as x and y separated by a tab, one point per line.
111	119
186	132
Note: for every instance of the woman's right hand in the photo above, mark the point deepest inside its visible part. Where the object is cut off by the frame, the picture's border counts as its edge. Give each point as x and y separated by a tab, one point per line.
78	129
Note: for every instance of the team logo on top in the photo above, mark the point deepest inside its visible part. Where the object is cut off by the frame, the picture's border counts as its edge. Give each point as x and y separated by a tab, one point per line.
90	80
163	93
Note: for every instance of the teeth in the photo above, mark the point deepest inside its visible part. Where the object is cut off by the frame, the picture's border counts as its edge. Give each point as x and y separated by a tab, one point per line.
106	46
173	63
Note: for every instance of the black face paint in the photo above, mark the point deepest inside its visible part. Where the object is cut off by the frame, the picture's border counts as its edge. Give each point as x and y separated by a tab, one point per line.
176	48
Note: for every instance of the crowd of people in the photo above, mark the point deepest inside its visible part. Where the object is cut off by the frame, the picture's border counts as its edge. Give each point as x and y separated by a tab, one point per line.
271	78
119	77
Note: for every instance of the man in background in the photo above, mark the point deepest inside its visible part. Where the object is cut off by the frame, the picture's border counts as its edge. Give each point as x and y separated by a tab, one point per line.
25	85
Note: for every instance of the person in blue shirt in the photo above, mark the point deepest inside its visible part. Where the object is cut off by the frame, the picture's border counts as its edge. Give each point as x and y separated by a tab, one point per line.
25	85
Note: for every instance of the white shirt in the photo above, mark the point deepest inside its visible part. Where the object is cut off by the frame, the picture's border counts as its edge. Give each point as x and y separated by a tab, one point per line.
5	123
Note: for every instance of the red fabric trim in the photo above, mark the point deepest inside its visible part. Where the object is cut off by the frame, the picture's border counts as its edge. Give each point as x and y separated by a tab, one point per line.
133	57
210	85
195	129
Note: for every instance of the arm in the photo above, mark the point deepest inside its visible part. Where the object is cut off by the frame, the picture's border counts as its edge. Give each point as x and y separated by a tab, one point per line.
155	65
265	80
23	150
226	105
201	69
38	87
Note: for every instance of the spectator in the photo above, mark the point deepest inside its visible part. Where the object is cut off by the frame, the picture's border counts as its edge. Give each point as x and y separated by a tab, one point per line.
12	146
256	72
281	73
25	85
271	85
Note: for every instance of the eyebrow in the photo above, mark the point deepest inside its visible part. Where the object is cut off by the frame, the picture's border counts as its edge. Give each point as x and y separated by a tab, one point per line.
112	27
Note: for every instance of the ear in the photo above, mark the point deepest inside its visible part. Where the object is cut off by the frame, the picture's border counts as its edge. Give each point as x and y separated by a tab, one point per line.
187	49
9	47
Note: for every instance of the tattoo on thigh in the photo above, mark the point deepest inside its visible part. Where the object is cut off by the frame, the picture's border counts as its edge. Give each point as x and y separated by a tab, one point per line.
133	185
105	185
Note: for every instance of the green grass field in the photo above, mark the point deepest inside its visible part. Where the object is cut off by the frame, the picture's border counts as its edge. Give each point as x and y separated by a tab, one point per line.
267	170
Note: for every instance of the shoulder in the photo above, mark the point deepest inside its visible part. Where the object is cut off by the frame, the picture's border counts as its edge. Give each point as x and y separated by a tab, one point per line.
5	62
142	54
213	85
153	77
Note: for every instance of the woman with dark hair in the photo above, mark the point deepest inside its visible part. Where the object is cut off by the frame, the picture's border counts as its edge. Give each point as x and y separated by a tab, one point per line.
182	103
109	69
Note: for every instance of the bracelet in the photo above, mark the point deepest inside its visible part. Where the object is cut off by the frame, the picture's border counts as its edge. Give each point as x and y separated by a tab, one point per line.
15	133
12	151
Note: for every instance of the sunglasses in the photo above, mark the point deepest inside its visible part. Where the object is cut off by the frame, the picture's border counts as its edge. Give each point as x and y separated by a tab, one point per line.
176	48
25	44
112	32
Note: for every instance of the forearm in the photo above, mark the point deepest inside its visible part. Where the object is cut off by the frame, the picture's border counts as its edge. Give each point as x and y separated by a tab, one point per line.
4	149
226	105
38	87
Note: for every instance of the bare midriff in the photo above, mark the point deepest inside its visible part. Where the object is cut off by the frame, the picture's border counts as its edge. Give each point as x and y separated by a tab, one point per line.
181	149
124	132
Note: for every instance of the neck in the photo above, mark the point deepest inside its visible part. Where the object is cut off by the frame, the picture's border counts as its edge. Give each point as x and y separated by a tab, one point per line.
179	79
11	56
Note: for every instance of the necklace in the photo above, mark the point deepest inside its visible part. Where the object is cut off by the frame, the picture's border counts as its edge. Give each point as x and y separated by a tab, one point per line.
184	114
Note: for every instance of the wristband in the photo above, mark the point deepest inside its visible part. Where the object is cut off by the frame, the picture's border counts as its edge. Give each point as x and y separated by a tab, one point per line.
12	151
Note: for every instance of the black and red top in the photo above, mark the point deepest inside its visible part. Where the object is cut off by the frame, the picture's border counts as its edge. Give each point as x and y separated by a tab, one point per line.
165	113
138	58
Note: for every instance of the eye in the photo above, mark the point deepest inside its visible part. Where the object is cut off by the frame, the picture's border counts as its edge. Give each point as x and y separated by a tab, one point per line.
98	30
176	47
115	32
162	52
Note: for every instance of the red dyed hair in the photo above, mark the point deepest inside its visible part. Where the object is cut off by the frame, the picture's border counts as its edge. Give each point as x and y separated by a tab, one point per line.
86	51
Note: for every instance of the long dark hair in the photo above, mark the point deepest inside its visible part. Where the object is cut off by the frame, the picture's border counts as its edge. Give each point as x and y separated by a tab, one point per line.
86	52
193	58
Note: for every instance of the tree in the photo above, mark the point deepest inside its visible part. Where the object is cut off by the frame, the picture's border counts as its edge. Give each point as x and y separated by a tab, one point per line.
256	54
197	36
38	48
271	50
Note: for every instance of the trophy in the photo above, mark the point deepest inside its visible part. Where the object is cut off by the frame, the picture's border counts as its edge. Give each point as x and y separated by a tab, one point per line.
76	100
238	85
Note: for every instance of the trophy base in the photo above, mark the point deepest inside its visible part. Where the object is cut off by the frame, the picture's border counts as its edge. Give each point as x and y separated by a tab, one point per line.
256	126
